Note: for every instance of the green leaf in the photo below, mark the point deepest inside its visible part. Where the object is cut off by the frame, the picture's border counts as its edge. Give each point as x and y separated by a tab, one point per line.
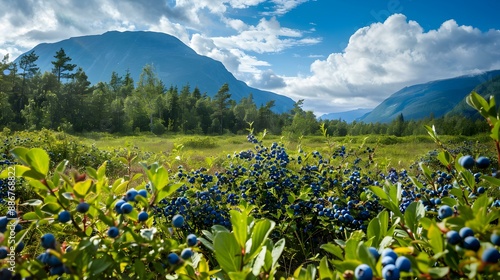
259	261
260	232
333	249
239	223
444	157
101	171
278	250
51	208
435	239
379	192
439	272
39	161
324	270
139	269
82	188
97	266
30	216
227	252
413	213
365	256
373	230
351	246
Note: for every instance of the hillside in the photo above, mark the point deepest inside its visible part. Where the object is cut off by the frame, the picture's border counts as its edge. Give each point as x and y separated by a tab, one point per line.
435	98
348	116
175	63
486	89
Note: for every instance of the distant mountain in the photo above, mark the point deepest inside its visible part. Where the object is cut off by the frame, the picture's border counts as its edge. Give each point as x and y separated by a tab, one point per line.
434	98
175	63
348	116
487	89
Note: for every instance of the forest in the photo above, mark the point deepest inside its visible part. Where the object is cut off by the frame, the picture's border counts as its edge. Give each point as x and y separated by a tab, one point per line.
65	100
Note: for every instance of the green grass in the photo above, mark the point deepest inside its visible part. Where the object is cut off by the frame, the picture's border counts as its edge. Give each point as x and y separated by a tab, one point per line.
389	151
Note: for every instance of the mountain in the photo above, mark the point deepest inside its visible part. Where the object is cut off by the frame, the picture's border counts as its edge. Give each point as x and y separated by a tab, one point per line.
175	63
486	89
434	98
348	116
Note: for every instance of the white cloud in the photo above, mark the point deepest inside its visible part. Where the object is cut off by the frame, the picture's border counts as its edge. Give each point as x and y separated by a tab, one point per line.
384	57
266	36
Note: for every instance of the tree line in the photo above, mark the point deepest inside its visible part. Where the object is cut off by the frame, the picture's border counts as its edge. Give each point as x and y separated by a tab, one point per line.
64	99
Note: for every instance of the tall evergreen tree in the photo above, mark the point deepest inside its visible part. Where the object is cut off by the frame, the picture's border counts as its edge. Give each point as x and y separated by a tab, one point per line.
62	67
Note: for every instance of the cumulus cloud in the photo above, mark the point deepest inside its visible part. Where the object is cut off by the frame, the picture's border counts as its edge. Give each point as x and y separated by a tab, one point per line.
384	57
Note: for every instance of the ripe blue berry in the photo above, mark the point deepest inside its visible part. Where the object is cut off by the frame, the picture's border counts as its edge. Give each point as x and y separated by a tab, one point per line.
403	264
57	270
118	206
64	216
453	237
481	190
3	222
471	243
48	241
390	272
191	240
19	247
173	258
388	252
495	239
113	232
490	255
143	193
374	252
387	260
466	161
482	162
126	208
444	212
363	272
178	221
466	231
52	260
143	216
130	195
3	252
186	253
82	207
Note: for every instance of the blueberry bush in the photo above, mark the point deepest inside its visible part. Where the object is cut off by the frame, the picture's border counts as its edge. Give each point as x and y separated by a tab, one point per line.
270	213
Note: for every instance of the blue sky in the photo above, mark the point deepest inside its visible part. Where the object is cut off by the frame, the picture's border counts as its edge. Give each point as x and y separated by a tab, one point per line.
337	55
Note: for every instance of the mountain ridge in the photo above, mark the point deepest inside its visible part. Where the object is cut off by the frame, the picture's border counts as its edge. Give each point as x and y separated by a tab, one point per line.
435	98
175	63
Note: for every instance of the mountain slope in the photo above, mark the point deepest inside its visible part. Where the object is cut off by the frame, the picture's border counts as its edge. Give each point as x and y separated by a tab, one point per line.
348	116
487	89
175	63
423	100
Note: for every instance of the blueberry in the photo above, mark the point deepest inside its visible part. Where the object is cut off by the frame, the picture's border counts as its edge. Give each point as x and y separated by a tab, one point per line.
390	272
466	231
481	190
57	270
3	252
48	241
113	232
173	258
466	161
143	216
403	264
118	206
186	253
64	216
130	195
178	221
143	193
387	260
482	162
388	252
444	212
471	243
52	260
374	252
126	208
453	237
191	240
19	247
82	207
3	222
490	255
495	239
363	272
